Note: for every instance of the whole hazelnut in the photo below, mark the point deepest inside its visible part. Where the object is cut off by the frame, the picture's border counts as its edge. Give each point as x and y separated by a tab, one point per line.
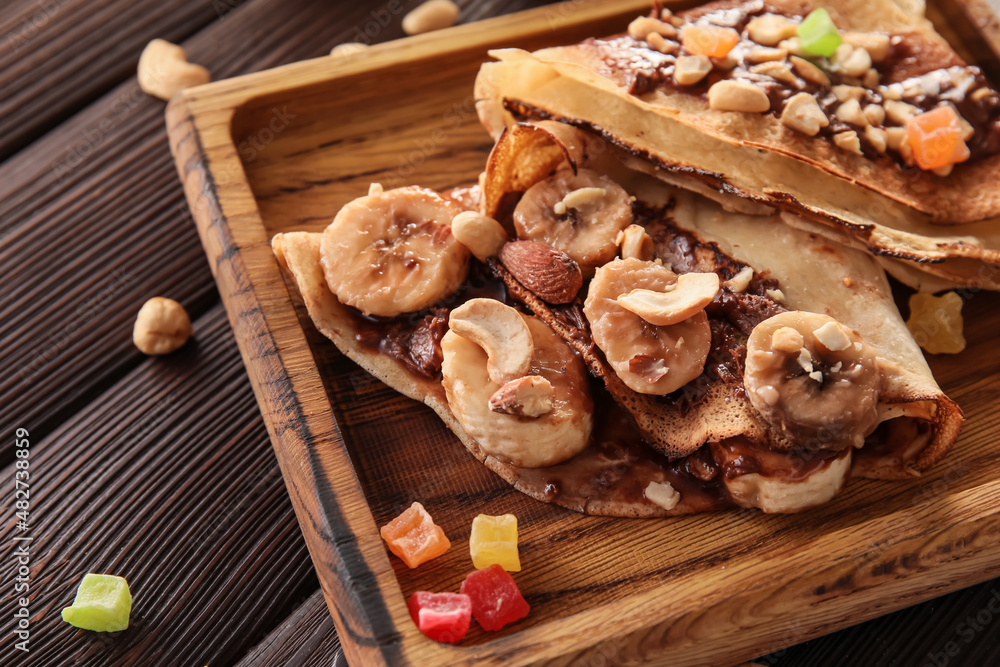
161	326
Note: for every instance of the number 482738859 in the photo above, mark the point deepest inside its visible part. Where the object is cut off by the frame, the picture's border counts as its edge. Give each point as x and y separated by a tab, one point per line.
21	489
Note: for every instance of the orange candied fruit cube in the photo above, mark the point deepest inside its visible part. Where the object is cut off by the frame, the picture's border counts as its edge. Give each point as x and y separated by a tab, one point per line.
414	537
709	40
936	138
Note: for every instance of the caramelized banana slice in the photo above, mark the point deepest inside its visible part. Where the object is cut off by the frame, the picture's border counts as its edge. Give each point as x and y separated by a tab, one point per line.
649	359
581	214
780	482
541	438
813	379
393	252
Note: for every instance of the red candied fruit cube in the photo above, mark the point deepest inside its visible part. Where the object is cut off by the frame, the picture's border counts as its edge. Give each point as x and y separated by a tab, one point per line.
443	617
496	600
414	537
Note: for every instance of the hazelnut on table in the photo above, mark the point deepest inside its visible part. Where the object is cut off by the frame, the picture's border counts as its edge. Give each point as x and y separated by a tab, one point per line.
161	326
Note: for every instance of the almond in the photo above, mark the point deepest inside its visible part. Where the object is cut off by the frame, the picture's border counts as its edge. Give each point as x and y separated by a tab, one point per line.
548	272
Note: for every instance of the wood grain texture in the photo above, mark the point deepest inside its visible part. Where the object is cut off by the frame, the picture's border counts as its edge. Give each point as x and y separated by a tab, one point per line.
50	64
306	639
714	588
141	486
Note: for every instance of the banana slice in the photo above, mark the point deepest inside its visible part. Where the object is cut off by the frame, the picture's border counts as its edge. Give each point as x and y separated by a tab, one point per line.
781	482
559	433
393	252
813	379
581	214
649	359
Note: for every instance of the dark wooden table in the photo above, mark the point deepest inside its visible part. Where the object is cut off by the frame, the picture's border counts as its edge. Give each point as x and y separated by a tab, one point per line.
160	469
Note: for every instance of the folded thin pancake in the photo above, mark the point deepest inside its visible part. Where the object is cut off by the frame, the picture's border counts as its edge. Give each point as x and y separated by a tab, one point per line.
751	162
919	423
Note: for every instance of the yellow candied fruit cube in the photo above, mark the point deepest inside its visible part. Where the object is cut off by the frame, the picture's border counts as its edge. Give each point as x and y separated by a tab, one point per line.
494	541
936	322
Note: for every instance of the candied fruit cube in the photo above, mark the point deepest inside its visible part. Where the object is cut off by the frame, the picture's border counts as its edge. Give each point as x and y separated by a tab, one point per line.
444	617
103	604
936	322
494	541
414	537
708	40
496	599
936	138
818	35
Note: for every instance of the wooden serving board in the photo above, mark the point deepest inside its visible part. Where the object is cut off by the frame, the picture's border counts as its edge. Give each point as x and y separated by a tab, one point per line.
282	150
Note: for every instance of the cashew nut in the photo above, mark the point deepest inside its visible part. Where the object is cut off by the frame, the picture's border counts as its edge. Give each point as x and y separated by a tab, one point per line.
529	396
642	26
809	71
164	70
691	293
689	70
161	326
770	29
662	494
431	15
481	234
501	332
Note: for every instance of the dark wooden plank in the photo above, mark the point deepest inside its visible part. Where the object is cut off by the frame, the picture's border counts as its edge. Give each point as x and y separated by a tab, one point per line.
306	638
60	55
169	480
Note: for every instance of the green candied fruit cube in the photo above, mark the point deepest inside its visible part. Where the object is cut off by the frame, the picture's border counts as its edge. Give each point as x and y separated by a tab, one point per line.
818	35
102	604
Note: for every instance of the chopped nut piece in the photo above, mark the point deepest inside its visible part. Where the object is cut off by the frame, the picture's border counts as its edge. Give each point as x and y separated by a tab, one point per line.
850	112
943	171
164	70
793	46
900	112
871	78
892	92
777	71
876	137
980	94
765	54
875	43
579	198
689	70
662	494
740	281
875	114
375	189
802	113
936	322
529	396
481	234
848	282
161	326
805	360
849	141
894	137
776	294
502	333
690	295
787	339
658	42
809	72
644	25
728	62
429	16
833	337
855	62
770	29
844	93
348	49
735	95
635	243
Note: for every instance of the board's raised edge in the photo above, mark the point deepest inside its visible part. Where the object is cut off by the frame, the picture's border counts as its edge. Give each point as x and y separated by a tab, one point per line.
344	566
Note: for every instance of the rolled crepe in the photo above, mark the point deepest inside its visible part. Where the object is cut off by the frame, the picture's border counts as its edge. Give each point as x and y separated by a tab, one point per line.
749	162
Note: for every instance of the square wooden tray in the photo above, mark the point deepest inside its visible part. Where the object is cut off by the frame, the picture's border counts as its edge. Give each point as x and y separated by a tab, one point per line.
282	150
